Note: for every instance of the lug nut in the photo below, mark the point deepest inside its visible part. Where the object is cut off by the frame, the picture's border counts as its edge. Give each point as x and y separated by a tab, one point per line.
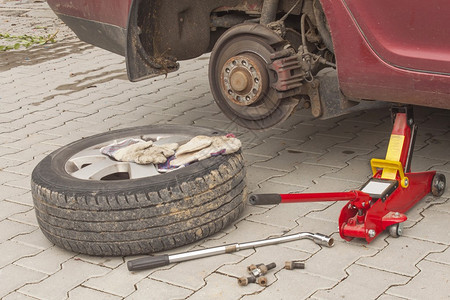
290	265
260	269
243	281
253	267
265	268
262	281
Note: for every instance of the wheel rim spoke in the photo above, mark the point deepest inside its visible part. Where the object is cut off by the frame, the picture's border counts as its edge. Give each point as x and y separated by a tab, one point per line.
86	153
140	171
100	169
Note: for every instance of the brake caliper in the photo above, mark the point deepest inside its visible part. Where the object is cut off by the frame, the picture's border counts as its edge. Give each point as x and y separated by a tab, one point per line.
290	74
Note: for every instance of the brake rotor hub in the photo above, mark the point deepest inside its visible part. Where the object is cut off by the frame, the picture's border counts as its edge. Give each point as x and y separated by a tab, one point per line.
244	78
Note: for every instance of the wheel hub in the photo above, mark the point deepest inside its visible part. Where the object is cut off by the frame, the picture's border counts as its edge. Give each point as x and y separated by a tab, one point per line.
243	79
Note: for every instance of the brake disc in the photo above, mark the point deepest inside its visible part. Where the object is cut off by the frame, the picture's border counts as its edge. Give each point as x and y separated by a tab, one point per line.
241	81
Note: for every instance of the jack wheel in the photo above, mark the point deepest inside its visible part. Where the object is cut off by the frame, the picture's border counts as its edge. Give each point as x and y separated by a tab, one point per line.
396	230
438	185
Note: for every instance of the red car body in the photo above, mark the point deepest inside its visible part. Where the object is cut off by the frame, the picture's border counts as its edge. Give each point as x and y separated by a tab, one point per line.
386	52
113	12
394	51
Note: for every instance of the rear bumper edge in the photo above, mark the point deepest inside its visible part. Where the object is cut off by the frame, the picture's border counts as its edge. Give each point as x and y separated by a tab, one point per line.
107	36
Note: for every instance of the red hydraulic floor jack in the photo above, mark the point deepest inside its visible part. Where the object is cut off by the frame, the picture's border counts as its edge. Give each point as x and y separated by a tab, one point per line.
382	201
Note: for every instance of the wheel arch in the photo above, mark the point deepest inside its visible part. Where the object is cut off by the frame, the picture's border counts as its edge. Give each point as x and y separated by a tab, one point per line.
162	32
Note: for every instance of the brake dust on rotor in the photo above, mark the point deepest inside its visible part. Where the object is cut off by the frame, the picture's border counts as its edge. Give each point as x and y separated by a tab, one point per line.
382	201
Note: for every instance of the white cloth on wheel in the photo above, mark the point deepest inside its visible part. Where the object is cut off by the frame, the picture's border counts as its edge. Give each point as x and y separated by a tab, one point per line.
171	156
202	147
140	152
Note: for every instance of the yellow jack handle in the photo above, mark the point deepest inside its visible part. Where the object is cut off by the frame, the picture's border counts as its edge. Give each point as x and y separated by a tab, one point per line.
391	167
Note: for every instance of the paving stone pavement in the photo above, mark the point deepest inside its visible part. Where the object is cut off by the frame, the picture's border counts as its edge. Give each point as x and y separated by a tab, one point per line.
55	94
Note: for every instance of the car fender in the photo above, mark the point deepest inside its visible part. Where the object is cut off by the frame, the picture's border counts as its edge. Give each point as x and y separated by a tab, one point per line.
362	74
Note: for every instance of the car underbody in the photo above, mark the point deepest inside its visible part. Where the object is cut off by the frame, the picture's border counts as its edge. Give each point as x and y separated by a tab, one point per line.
265	60
268	57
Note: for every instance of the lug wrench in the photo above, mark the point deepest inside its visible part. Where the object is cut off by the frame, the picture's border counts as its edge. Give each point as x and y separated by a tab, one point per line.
165	259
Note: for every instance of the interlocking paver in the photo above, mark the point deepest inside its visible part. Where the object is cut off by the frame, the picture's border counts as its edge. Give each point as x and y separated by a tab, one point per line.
300	133
115	282
336	157
12	251
48	261
82	292
285	215
217	124
30	153
286	160
431	228
440	207
25	131
72	274
106	261
295	284
326	184
20	197
277	187
218	287
35	239
18	296
374	117
431	282
441	257
346	129
13	277
260	175
250	159
7	151
10	229
327	265
318	144
329	213
22	182
26	168
304	175
150	288
191	274
434	149
401	255
357	170
362	283
8	209
420	163
27	142
270	148
389	297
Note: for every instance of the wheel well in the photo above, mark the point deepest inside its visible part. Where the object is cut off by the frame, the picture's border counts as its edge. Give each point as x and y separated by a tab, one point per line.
162	32
177	28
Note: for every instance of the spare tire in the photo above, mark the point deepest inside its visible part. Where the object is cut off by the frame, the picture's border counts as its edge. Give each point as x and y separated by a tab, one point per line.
88	203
